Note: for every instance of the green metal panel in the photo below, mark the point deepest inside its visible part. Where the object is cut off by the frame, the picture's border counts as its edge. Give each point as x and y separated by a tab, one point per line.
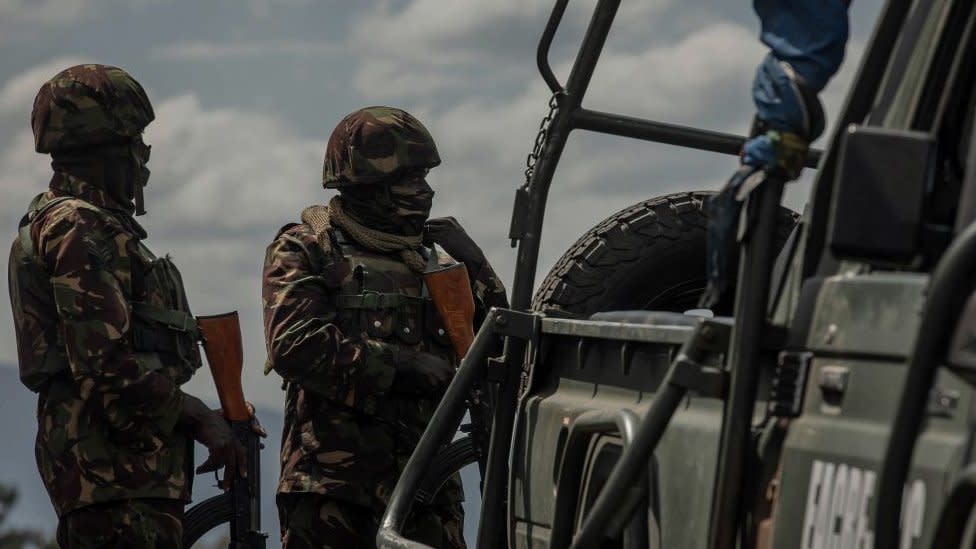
863	329
562	392
869	314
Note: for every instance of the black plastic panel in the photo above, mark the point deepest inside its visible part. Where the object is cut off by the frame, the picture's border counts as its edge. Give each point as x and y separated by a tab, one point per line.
879	197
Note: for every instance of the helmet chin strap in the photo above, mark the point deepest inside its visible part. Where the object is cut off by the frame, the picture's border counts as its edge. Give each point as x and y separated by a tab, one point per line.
137	192
139	178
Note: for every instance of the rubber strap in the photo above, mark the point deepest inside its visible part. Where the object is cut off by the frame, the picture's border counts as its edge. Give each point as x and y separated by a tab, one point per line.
172	319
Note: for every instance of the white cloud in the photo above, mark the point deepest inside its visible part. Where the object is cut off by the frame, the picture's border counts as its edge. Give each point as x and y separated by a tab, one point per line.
202	50
424	29
431	45
51	13
17	93
44	12
264	8
377	78
688	81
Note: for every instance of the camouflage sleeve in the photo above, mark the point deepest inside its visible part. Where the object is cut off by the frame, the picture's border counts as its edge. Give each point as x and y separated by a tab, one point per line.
90	266
304	344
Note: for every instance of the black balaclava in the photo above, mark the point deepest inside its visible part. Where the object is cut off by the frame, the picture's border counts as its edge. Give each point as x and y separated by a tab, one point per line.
399	208
119	170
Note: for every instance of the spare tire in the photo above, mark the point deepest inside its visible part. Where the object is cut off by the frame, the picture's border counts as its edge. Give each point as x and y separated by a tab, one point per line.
649	256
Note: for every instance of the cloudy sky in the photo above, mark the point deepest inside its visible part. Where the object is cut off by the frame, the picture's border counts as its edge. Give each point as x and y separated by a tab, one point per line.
247	91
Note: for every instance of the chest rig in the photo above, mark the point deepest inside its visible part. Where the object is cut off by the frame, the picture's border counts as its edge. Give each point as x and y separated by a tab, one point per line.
383	299
162	323
163	330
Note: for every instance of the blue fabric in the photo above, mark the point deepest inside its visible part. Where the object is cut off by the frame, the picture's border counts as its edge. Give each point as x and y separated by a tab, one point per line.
806	39
777	98
810	35
760	152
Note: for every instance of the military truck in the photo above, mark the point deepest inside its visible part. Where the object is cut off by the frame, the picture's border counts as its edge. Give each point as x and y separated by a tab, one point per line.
831	407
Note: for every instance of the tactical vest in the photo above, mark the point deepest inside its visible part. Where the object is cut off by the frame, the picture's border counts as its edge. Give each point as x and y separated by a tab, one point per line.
161	323
385	300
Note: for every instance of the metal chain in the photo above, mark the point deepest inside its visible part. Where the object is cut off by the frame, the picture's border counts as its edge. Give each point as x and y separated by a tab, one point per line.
541	138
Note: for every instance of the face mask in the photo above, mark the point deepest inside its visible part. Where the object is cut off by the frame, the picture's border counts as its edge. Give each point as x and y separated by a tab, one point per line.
399	208
412	200
139	153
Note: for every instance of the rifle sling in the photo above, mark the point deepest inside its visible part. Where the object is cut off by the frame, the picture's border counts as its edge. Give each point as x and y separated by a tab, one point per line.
172	319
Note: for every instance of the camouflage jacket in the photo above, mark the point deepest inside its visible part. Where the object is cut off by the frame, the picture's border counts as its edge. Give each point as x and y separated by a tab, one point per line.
108	408
335	321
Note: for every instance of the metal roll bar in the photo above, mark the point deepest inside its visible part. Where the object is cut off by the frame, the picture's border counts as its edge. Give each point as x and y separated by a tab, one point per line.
441	428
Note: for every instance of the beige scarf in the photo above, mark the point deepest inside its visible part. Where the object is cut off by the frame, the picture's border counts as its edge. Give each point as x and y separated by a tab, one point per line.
321	218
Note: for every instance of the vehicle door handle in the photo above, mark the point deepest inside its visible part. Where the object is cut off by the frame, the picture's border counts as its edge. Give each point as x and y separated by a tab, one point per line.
833	380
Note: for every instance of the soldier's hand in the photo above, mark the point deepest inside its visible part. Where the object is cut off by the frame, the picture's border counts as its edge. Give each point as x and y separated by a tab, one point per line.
255	425
448	234
422	373
211	429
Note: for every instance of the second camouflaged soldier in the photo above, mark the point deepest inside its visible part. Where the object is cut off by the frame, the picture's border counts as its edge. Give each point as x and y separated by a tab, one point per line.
350	328
104	332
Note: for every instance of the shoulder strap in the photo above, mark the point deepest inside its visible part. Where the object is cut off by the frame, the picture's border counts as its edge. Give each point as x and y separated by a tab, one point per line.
33	211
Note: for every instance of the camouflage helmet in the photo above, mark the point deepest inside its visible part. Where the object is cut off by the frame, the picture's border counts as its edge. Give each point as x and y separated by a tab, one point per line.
375	144
89	105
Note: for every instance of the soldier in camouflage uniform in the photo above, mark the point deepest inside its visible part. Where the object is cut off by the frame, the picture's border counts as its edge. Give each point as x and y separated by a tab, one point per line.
104	332
350	328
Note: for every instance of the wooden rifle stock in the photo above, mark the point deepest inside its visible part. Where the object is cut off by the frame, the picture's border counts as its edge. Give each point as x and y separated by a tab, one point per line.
450	289
225	354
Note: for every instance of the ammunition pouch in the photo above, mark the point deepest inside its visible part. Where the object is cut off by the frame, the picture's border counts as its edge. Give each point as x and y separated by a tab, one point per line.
392	317
164	324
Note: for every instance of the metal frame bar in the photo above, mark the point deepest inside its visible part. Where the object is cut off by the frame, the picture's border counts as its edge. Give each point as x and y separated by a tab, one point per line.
669	134
569	100
440	429
572	116
758	252
492	530
571	465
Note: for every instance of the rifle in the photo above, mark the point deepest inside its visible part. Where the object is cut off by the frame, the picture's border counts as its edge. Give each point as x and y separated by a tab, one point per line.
450	290
221	336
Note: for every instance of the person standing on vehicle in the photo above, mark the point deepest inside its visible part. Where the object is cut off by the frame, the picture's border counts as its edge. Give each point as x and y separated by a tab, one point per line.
350	328
104	332
806	39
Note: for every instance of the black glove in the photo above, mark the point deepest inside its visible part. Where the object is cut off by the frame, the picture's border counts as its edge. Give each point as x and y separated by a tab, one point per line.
211	429
255	424
448	234
422	373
